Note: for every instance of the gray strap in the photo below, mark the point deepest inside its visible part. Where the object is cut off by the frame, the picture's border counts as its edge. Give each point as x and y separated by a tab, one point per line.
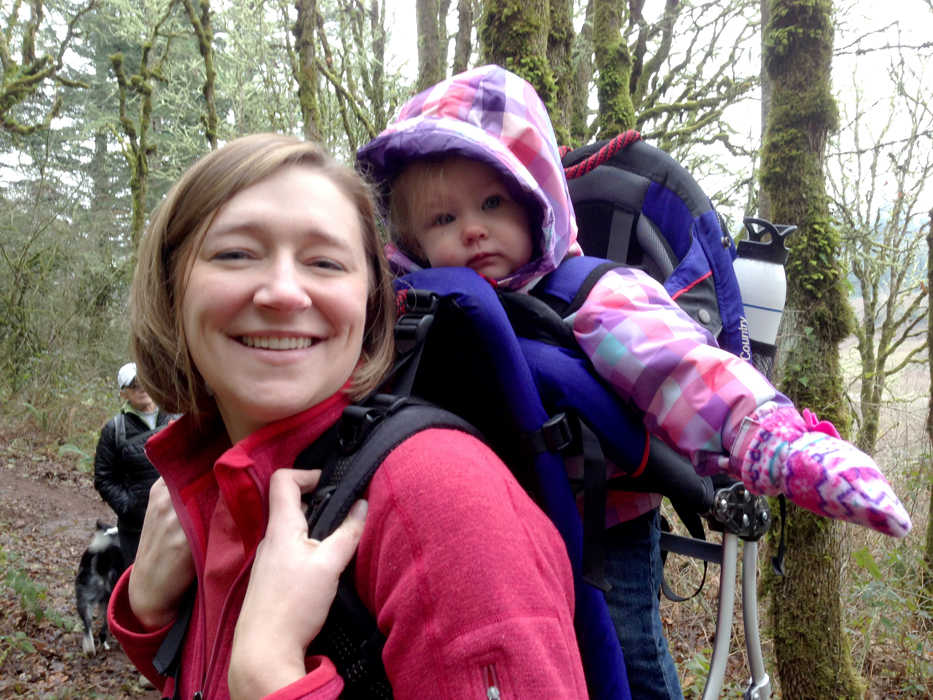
119	425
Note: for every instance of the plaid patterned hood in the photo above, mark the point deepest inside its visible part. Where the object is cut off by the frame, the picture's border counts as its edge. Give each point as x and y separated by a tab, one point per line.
491	115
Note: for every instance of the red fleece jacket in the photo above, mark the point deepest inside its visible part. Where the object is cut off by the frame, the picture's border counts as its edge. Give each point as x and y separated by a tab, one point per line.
467	578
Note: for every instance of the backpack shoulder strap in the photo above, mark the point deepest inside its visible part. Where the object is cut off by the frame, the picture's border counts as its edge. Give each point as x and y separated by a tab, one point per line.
349	455
119	430
364	437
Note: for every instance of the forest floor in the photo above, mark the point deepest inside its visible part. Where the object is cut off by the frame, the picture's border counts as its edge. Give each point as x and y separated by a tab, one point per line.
47	514
48	508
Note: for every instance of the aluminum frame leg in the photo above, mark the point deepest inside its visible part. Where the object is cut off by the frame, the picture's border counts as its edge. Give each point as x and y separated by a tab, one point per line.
759	687
727	573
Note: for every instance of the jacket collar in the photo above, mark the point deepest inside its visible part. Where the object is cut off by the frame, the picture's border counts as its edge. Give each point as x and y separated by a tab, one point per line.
187	449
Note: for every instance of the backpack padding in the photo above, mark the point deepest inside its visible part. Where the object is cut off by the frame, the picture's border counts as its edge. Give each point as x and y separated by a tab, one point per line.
655	246
568	383
602	187
566	288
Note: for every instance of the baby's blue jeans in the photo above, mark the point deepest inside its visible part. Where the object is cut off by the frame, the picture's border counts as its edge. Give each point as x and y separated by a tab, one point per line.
633	568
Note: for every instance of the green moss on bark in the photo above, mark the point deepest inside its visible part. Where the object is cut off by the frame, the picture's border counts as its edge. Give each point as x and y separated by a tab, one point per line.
614	62
812	652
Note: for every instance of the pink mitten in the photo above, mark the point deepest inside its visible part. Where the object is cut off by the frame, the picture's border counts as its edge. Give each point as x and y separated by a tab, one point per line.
778	451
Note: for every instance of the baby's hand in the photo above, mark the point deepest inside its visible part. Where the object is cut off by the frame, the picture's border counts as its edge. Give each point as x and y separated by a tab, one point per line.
780	453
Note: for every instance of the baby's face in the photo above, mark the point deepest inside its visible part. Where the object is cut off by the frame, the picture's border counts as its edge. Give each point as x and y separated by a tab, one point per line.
469	219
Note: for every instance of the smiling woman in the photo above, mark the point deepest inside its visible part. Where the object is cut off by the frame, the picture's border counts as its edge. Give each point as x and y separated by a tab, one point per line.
261	306
224	195
275	303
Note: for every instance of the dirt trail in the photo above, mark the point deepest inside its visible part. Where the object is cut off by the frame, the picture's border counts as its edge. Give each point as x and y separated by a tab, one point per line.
47	515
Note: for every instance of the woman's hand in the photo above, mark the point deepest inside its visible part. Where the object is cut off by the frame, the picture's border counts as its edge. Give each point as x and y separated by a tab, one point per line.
163	569
291	587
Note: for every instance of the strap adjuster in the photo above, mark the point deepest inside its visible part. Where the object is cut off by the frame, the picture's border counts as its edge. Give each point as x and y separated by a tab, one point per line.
358	419
554	436
412	327
420	301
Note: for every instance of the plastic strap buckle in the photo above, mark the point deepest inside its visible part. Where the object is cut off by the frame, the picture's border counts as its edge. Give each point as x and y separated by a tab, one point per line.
358	419
420	301
412	327
554	436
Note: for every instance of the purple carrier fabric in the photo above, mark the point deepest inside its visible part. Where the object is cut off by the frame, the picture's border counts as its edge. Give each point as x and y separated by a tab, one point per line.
521	402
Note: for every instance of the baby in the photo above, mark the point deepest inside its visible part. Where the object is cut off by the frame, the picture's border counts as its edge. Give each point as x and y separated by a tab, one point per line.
474	179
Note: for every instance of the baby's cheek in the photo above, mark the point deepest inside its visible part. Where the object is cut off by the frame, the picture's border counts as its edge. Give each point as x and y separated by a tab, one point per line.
444	256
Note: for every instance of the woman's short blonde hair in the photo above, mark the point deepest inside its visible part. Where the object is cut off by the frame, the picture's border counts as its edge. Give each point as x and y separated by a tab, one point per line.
167	250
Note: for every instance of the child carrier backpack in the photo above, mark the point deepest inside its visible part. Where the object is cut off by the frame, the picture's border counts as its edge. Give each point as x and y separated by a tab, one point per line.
515	359
500	365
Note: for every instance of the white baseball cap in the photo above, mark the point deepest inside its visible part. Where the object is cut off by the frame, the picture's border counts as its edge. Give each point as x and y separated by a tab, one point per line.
126	375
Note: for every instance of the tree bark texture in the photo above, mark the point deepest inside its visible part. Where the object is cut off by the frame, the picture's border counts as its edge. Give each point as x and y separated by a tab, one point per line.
432	57
201	24
307	71
583	70
377	81
559	52
813	656
463	43
614	64
136	146
764	203
927	585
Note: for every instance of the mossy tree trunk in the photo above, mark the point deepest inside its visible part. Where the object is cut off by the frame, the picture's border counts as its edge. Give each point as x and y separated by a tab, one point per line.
614	63
581	75
761	198
463	44
813	656
432	42
927	584
560	57
306	70
138	89
200	18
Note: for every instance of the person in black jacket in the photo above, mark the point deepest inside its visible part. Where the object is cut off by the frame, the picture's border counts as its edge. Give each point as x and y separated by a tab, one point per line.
123	474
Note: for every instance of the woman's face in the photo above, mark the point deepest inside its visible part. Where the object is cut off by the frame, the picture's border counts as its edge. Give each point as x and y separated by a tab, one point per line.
275	305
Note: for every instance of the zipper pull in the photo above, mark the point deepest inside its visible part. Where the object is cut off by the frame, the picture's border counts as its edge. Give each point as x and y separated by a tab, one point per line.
492	683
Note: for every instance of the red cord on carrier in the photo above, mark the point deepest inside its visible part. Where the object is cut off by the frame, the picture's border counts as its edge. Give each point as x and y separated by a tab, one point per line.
616	144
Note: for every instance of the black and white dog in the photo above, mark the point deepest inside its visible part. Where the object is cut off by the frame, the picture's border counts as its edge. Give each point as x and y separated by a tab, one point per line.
100	567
